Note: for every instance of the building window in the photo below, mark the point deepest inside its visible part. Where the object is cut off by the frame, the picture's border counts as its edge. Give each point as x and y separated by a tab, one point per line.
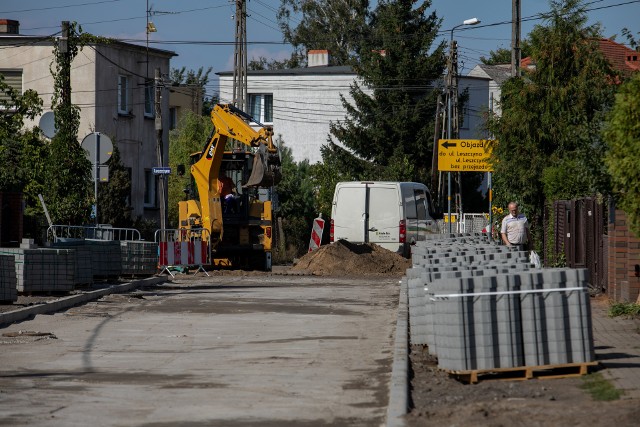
261	107
149	189
149	99
124	95
13	78
173	118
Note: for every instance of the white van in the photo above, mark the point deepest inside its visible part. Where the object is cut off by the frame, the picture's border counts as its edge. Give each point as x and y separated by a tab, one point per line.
394	215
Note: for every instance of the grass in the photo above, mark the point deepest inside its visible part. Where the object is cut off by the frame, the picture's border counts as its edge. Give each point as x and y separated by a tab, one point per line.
627	309
599	388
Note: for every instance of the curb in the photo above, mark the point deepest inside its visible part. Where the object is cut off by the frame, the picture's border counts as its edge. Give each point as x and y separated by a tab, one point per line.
67	302
399	389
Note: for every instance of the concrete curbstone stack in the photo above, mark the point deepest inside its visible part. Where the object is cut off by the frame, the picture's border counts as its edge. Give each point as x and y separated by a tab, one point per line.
480	306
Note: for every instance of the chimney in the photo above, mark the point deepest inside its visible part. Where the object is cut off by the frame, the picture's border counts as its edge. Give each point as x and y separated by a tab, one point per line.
317	58
9	26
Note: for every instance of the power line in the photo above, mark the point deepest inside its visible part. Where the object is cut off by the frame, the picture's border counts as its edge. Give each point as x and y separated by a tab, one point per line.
60	7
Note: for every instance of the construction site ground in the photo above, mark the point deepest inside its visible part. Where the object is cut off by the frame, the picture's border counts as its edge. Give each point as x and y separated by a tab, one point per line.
304	345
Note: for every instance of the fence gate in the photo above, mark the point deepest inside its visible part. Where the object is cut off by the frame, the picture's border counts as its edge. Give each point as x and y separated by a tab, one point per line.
579	235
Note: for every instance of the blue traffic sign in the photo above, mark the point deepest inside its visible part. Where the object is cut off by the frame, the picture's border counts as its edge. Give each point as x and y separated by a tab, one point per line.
162	171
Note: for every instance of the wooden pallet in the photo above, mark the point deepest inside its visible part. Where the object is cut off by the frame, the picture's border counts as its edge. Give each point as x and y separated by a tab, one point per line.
520	373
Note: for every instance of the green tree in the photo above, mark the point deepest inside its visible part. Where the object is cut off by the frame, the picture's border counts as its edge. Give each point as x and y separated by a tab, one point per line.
549	140
69	193
503	56
296	202
15	145
23	155
200	78
261	63
114	204
388	132
622	134
633	42
180	76
188	138
335	25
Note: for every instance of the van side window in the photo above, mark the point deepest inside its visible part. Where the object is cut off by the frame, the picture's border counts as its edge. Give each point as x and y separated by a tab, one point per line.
421	204
409	203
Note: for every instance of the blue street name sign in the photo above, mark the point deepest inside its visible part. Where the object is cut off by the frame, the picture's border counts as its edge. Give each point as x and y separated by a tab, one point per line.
162	171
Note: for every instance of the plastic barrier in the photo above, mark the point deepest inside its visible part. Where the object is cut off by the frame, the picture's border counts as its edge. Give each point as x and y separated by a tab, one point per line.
316	233
182	248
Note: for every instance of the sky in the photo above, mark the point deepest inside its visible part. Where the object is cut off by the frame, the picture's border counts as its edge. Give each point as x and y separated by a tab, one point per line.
202	32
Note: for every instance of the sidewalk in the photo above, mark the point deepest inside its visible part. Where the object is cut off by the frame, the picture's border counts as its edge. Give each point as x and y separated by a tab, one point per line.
617	346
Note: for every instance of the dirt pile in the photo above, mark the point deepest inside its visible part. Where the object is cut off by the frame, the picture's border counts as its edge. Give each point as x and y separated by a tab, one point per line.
344	258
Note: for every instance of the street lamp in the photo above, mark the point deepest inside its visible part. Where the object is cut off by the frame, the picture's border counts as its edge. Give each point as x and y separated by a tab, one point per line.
472	21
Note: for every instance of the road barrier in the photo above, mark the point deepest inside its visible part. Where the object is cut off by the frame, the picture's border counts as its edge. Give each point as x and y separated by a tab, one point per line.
183	248
316	233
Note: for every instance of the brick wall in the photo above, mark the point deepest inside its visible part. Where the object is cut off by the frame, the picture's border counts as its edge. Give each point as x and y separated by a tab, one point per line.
623	257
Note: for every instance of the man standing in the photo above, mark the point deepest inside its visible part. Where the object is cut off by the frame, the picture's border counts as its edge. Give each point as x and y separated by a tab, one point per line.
515	229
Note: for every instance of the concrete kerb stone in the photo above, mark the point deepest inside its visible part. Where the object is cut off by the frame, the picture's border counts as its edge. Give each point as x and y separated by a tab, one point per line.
73	300
399	386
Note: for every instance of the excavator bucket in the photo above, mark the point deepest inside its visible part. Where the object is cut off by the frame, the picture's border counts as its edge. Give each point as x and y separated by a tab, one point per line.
266	169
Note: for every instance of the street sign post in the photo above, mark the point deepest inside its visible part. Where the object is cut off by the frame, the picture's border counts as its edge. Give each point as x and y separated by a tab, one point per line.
99	149
464	155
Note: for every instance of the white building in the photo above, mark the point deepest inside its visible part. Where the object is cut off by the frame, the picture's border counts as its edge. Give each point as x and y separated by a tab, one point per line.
300	103
108	84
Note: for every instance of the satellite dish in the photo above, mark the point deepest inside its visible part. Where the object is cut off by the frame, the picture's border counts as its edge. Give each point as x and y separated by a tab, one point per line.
90	142
48	124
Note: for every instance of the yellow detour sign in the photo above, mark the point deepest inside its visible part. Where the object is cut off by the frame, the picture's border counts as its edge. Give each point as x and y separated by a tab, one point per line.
464	155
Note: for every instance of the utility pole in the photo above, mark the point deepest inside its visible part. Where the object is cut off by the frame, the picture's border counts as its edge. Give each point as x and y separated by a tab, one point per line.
66	70
160	148
240	57
516	55
434	157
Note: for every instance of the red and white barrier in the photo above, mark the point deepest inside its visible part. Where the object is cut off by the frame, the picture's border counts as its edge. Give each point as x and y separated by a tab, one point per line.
174	250
183	253
316	233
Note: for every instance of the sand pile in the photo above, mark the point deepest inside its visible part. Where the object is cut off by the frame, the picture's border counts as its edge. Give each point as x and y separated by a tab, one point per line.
344	258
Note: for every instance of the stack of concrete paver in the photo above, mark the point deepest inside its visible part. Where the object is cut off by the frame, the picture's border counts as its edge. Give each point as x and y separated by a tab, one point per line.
8	281
482	306
139	258
97	258
43	270
83	270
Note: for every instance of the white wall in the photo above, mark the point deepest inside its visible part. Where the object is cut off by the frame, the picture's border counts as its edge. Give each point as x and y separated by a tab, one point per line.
303	107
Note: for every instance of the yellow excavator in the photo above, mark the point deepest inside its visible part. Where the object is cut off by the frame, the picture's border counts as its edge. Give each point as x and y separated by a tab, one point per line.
232	191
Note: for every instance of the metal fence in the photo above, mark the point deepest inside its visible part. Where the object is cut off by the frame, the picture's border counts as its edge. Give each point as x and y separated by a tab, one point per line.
471	223
57	233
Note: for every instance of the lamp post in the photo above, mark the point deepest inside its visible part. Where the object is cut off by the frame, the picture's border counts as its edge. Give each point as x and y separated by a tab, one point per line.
472	21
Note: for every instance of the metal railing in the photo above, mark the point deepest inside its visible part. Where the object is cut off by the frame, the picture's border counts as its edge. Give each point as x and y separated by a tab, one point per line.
181	235
471	223
61	233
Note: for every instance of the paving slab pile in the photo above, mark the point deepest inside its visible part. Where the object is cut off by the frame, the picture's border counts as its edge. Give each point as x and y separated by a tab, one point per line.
481	306
8	281
103	256
139	258
43	270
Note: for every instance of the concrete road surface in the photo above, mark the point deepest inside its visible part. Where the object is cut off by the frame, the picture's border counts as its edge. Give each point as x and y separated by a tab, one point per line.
207	351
